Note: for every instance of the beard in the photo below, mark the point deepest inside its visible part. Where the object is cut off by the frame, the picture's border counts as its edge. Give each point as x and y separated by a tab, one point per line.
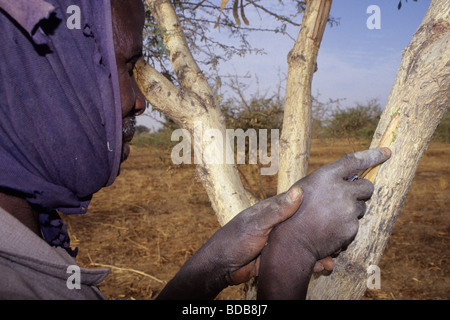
128	129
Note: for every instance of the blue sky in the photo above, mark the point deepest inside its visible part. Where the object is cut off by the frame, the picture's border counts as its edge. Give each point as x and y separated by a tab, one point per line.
354	62
357	63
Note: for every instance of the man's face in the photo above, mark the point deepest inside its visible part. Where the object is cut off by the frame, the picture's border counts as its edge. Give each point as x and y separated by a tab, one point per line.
128	23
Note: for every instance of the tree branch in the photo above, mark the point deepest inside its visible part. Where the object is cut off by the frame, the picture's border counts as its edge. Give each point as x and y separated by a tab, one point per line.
296	133
193	107
182	107
186	69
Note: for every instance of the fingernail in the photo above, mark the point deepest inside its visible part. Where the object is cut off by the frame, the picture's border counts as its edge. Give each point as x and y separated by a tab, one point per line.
386	151
295	193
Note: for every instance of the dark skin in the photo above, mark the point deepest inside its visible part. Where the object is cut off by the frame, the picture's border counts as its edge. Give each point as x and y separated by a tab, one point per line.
21	210
232	255
128	50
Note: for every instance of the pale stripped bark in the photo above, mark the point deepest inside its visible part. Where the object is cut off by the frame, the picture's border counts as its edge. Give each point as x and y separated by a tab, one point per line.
295	138
190	105
418	100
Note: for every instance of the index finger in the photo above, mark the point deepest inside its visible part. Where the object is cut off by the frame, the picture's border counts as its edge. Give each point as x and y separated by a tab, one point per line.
353	163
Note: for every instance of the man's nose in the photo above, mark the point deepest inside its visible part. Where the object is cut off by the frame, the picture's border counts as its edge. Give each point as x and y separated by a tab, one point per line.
140	102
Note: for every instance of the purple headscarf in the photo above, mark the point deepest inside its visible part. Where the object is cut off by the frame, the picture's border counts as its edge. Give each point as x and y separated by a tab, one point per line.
60	112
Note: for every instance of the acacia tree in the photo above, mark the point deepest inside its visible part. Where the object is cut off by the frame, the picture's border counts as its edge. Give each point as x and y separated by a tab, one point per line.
418	100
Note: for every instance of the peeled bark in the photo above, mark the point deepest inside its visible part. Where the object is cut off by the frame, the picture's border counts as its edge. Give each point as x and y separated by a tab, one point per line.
295	139
193	107
418	100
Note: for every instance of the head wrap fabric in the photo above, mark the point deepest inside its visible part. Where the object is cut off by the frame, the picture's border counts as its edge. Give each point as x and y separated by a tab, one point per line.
60	115
60	112
27	13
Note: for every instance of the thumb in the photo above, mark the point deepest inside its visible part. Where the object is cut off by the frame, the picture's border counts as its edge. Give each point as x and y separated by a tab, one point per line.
283	207
294	196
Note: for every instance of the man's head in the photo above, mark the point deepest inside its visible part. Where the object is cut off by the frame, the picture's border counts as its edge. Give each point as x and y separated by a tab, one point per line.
128	22
60	128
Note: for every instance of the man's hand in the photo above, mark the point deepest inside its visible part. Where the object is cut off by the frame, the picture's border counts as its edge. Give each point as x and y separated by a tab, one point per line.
231	255
326	222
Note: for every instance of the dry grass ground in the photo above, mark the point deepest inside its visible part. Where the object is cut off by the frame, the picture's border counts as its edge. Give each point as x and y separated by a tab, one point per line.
155	216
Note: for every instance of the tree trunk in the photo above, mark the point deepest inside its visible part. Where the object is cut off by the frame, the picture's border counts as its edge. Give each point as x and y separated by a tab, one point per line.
295	139
418	100
193	107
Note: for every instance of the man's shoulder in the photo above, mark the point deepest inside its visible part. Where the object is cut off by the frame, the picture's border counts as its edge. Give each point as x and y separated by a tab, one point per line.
31	269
